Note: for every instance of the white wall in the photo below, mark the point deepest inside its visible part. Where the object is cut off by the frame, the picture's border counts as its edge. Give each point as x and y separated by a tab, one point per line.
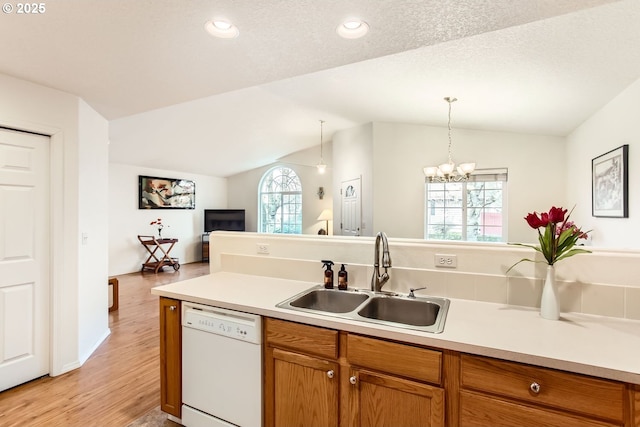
243	188
93	294
614	125
353	158
74	129
126	221
393	187
535	165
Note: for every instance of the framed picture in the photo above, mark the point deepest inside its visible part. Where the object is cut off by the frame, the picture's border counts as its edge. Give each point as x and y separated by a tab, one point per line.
610	183
166	193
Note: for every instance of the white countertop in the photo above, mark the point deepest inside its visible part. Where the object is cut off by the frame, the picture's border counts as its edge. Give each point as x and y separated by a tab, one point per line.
594	345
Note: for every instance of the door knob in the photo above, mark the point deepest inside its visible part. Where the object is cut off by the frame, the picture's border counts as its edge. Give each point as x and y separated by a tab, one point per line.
353	379
330	374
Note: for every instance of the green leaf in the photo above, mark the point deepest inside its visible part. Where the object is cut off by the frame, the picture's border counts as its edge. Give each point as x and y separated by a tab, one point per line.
523	259
547	243
573	252
526	245
565	236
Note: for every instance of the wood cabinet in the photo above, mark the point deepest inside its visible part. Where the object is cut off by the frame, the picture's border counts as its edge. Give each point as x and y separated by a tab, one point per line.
385	400
634	413
204	240
318	376
170	357
500	393
389	383
301	375
305	390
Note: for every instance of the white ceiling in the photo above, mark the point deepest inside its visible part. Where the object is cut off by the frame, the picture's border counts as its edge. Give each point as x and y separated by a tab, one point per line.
223	106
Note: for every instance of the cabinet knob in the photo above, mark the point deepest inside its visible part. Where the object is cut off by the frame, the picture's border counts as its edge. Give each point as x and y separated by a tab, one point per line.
330	374
353	379
172	307
535	387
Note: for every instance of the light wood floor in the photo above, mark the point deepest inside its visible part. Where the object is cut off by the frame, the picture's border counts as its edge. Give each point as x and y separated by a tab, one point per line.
121	380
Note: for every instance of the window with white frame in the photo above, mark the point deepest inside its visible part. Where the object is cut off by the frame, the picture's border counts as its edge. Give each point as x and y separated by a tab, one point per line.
280	202
474	210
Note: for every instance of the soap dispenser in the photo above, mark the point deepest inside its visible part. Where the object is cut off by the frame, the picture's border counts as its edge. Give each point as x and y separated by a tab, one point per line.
328	274
343	278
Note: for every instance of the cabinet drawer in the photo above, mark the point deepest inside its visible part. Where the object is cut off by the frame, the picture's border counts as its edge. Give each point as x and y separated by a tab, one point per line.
563	390
394	358
480	411
307	339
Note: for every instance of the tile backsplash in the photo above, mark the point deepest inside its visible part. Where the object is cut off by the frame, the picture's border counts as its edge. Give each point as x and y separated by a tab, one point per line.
601	283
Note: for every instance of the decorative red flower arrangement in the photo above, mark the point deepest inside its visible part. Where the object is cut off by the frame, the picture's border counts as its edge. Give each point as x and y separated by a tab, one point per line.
159	225
559	238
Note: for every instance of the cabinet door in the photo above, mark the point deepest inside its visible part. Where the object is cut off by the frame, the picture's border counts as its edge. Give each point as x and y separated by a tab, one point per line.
305	390
170	357
381	400
477	410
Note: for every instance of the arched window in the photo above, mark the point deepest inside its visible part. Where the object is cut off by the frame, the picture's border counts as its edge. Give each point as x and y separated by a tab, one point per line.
280	202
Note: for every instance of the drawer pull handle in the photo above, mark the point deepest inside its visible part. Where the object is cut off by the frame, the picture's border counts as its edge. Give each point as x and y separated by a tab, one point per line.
535	387
353	380
330	374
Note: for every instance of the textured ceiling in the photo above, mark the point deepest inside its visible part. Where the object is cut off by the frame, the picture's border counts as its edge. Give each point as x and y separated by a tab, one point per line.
516	65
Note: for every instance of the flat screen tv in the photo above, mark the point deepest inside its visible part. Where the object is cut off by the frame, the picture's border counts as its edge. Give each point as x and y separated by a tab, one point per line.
223	219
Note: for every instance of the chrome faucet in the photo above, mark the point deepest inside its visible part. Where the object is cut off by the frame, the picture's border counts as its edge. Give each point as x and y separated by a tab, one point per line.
378	280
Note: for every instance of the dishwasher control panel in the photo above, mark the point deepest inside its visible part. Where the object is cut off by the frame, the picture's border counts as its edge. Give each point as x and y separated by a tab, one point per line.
220	321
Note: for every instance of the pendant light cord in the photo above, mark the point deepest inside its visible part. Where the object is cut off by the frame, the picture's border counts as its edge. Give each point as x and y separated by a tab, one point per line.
450	100
321	156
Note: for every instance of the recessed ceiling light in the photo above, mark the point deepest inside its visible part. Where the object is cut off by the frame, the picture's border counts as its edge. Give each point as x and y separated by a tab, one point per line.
352	29
221	28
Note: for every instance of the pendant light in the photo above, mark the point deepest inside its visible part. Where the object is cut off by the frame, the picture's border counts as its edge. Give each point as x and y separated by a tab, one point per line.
321	166
447	172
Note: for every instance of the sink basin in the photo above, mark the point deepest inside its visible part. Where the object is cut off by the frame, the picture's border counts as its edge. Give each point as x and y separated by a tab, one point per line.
401	310
330	300
426	314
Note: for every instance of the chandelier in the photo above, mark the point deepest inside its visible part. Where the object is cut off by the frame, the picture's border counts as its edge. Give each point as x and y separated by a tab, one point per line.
321	166
447	172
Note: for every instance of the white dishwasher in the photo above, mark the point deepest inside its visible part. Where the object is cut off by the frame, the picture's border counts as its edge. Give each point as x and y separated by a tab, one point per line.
221	367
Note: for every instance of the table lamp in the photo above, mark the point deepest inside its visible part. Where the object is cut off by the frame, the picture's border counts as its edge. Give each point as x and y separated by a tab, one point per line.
326	215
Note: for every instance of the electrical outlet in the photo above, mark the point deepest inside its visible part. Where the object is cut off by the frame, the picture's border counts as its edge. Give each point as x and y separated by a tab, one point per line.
262	248
446	261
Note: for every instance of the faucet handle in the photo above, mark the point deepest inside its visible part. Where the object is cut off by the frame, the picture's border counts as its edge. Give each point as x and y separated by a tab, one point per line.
412	290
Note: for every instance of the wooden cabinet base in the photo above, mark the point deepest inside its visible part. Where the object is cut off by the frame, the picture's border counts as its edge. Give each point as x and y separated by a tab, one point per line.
477	410
170	357
321	377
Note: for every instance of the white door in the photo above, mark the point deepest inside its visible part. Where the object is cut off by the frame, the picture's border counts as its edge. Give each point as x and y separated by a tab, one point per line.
24	257
351	207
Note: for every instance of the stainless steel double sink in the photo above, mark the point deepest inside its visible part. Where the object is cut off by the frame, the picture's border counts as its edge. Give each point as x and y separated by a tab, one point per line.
426	314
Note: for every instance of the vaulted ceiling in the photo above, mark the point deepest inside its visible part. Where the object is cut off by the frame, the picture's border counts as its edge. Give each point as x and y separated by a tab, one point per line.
223	106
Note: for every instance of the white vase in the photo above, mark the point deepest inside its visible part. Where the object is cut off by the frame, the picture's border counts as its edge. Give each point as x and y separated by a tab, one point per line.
549	304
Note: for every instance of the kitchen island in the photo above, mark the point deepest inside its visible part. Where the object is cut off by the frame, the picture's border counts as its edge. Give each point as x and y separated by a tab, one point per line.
477	338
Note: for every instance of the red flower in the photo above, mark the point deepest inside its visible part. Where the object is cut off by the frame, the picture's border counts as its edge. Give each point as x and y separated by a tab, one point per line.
557	238
556	215
535	221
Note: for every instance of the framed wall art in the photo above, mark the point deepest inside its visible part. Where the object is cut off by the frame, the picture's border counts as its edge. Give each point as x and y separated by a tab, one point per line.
610	184
166	193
